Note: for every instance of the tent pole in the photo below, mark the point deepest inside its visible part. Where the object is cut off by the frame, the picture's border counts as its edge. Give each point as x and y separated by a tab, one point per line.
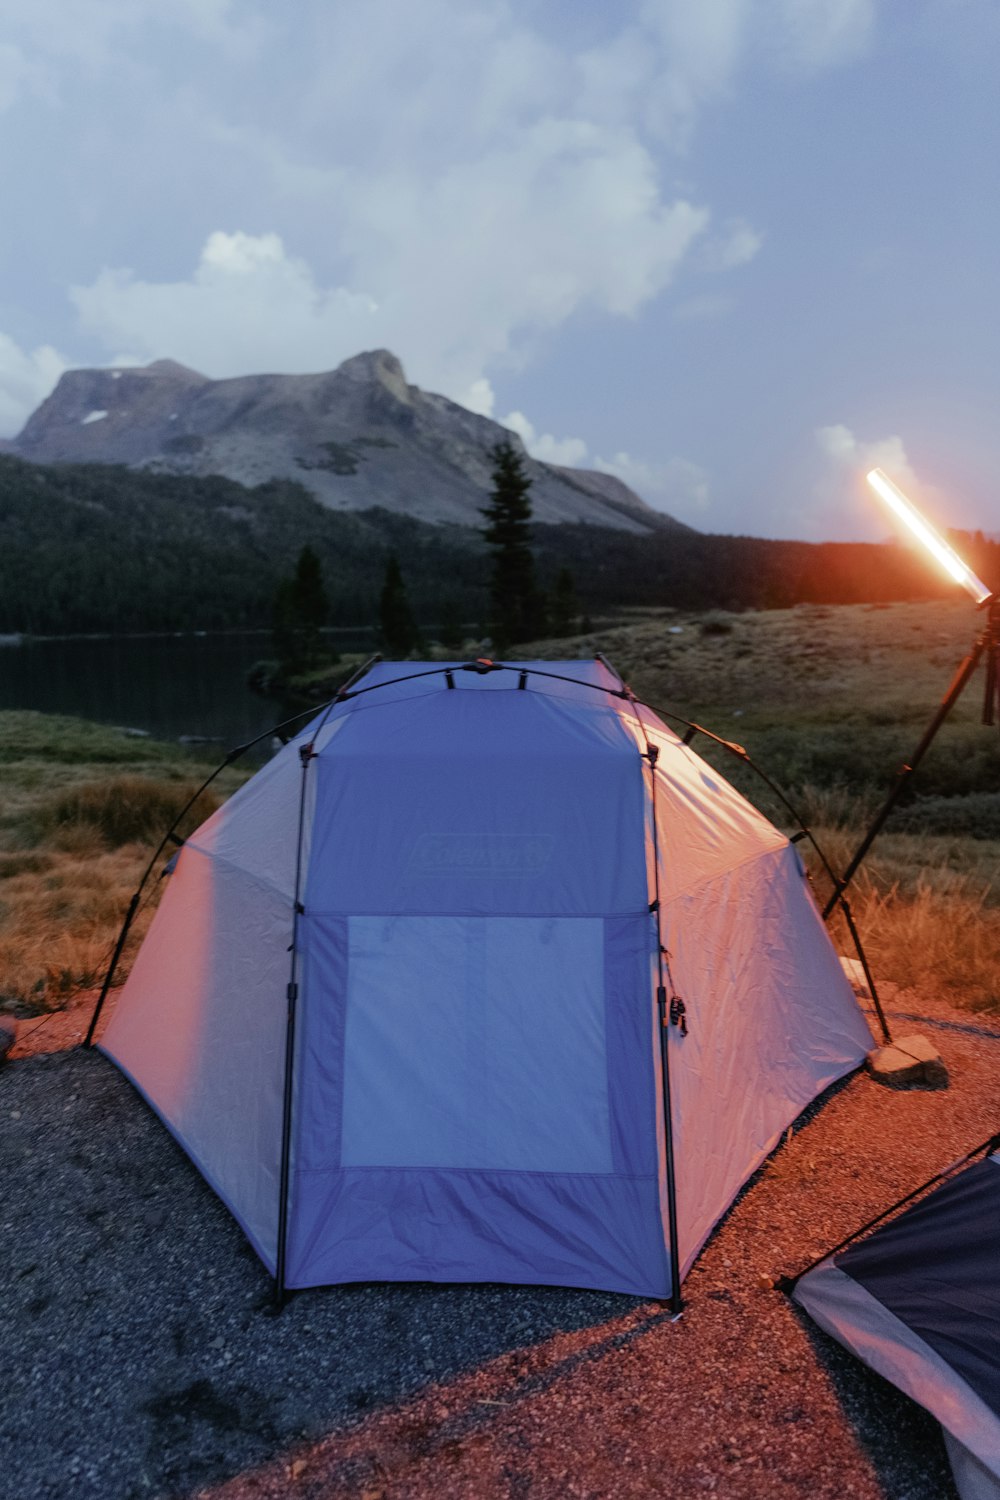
231	756
789	1283
804	832
664	1020
307	753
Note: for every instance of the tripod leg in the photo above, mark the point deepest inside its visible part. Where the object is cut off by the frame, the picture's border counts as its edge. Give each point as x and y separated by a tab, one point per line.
991	696
945	707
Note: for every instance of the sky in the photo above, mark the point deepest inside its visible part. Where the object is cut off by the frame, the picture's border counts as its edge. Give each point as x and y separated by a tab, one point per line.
733	251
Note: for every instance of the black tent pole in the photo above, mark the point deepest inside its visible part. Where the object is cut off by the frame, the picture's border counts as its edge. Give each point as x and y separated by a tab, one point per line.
789	1283
804	832
664	1019
307	754
233	755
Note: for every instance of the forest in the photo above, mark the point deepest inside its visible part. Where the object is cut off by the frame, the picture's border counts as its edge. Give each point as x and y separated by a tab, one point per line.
87	547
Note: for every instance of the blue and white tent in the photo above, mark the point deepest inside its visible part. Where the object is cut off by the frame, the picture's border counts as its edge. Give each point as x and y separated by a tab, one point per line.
919	1302
403	1002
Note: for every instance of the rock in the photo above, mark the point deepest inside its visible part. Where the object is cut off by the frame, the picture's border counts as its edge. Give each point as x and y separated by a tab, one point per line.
355	437
856	977
910	1060
8	1035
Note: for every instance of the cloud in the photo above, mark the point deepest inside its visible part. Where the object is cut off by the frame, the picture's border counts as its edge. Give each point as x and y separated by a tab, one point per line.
454	274
818	34
25	380
248	307
456	182
572	452
734	244
676	485
480	397
98	35
842	503
675	58
508	185
845	450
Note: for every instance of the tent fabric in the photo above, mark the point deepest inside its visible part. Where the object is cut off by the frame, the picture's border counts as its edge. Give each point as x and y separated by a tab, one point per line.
476	1078
919	1302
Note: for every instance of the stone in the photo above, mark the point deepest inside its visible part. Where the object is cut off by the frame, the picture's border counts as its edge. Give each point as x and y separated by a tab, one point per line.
8	1035
907	1062
856	977
355	437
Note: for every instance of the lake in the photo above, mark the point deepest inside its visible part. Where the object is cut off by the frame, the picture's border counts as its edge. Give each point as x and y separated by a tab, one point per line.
172	686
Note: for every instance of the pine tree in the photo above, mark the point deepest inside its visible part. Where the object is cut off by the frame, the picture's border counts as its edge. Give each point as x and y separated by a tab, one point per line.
397	626
451	630
565	607
301	608
518	611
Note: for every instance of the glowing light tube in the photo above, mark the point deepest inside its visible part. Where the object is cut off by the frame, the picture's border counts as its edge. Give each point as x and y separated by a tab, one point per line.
932	540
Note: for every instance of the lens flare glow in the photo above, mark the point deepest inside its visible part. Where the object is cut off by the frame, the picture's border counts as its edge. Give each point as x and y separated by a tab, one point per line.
932	540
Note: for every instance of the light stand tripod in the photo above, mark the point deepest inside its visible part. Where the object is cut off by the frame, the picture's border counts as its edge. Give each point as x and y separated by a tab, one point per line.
987	644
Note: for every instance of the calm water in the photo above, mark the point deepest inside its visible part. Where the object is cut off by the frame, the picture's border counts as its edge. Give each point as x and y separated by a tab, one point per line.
169	685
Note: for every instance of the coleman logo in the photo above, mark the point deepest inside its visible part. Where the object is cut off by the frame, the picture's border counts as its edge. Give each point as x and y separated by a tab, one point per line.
481	854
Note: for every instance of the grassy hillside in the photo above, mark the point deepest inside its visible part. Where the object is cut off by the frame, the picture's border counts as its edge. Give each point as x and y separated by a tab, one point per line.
85	547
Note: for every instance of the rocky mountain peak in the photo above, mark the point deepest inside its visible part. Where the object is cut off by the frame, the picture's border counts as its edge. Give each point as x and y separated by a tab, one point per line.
376	366
356	437
168	368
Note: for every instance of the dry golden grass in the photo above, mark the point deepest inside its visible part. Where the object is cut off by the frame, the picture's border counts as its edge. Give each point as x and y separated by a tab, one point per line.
82	808
928	938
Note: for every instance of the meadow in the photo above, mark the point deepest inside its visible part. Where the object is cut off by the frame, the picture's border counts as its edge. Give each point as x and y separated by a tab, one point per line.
82	808
828	700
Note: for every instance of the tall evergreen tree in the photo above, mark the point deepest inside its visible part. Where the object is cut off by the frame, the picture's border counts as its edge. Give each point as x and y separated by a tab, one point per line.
564	609
301	608
451	630
399	631
517	607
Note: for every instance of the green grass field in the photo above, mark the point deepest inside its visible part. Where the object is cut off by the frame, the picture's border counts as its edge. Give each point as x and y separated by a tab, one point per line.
829	701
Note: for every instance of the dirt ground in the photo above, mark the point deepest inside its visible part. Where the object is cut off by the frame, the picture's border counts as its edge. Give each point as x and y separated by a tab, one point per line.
740	1397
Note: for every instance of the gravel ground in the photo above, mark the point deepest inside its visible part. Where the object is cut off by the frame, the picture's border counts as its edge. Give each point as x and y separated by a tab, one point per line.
139	1356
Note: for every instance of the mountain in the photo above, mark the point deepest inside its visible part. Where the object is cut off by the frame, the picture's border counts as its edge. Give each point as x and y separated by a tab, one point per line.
357	437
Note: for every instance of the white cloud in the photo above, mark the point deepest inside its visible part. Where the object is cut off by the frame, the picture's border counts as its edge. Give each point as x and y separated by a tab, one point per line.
842	502
542	445
846	451
733	245
462	207
98	34
822	33
248	307
676	57
453	273
25	380
480	397
678	485
442	179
